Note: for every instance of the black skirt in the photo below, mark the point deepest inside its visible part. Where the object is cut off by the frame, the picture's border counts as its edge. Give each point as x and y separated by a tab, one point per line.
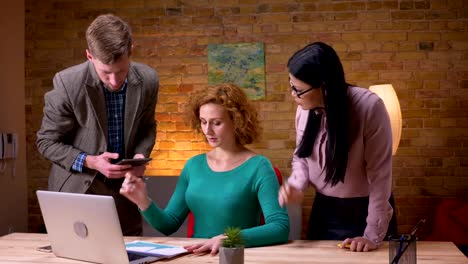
335	218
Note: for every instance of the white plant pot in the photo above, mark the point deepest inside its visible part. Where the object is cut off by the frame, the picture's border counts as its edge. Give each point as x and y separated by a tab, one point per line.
231	255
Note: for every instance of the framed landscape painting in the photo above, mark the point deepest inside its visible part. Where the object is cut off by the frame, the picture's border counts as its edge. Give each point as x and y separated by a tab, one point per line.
241	63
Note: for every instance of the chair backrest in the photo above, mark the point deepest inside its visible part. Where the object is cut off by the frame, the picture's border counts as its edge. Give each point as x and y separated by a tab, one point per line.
190	224
191	218
450	222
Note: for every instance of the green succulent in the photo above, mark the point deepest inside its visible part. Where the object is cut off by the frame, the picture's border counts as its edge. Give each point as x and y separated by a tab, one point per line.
234	237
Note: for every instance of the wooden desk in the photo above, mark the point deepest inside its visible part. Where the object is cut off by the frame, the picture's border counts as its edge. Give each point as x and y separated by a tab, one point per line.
21	248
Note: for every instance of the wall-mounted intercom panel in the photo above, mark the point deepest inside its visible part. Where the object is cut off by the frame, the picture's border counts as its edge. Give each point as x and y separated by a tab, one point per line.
8	152
8	145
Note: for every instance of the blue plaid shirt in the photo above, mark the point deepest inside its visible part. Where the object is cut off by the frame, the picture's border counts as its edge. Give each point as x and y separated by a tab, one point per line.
115	106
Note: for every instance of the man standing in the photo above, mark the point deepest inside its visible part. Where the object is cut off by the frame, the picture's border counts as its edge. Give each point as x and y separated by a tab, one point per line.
99	112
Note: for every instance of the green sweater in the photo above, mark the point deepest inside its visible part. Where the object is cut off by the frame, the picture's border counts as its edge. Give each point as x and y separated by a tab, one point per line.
222	199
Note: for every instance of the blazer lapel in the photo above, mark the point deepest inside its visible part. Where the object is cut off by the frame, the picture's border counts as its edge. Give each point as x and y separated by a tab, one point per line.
96	96
133	99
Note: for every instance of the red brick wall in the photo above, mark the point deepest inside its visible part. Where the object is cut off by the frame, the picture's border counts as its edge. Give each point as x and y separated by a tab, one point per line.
421	47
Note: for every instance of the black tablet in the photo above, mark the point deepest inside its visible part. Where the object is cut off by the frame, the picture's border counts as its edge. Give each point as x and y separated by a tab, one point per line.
134	162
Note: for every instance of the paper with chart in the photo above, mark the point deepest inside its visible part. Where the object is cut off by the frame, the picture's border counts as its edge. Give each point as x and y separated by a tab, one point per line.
154	249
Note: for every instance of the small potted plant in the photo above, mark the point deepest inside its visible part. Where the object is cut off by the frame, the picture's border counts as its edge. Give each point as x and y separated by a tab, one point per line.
232	249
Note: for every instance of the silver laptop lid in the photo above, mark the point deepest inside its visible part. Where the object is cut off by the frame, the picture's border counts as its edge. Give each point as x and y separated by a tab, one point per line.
83	227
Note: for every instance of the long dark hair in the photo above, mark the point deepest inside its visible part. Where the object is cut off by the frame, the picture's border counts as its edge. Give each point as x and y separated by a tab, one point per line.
318	65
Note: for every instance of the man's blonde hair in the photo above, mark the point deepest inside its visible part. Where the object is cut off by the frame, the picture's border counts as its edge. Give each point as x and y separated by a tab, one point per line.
109	38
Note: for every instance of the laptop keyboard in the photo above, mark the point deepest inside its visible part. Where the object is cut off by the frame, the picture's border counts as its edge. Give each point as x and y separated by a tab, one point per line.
133	256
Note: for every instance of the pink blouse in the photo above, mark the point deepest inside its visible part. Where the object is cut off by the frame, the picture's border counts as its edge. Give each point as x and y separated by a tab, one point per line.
369	171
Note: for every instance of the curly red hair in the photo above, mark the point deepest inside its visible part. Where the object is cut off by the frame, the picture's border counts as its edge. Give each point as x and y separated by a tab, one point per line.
235	101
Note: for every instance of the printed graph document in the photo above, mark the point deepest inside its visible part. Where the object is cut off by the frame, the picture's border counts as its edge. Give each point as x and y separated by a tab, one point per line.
153	249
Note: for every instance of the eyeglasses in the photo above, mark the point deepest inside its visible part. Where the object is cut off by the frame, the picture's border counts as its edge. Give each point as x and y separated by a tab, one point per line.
297	92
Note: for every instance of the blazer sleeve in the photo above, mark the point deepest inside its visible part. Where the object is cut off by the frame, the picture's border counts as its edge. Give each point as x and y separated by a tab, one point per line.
58	133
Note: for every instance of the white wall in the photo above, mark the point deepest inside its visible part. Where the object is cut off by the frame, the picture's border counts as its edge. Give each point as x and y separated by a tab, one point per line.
13	183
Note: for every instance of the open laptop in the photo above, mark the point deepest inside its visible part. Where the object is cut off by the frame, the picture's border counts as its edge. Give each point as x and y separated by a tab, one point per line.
85	227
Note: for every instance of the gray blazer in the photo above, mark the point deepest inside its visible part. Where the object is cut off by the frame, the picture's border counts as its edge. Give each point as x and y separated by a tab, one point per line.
75	120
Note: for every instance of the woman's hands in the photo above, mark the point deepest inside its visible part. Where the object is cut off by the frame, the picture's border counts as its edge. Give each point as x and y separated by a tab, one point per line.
212	245
138	170
134	188
359	244
289	194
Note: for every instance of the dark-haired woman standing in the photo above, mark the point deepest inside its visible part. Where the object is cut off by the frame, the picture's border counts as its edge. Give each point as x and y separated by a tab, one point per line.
344	150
